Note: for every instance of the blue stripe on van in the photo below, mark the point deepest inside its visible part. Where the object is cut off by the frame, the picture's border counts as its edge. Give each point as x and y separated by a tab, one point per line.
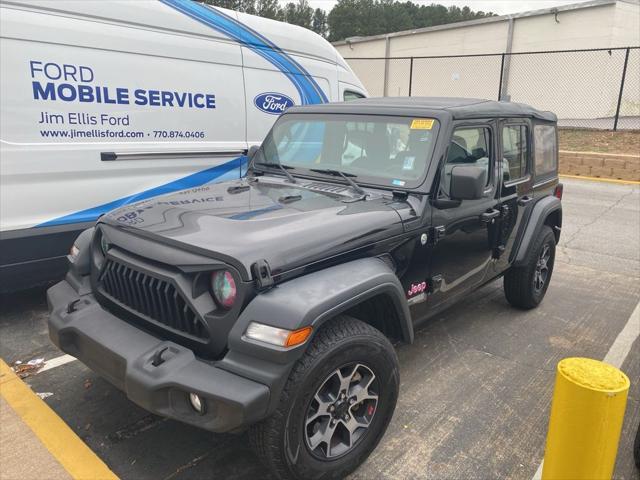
309	90
217	173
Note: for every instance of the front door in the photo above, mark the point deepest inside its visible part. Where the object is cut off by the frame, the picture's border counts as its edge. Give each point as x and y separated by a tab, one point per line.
464	231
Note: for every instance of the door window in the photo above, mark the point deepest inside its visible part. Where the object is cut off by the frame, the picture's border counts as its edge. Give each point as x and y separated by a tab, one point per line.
545	149
351	95
469	146
515	151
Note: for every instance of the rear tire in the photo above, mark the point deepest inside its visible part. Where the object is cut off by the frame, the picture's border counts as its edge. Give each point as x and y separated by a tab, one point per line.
526	286
294	442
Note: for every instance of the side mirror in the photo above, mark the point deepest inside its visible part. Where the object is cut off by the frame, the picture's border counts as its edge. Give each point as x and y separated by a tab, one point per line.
467	183
253	149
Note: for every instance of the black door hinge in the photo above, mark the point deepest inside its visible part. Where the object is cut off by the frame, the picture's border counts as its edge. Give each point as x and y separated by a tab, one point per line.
437	233
435	284
262	274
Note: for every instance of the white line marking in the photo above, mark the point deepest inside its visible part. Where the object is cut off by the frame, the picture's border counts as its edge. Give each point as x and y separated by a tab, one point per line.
622	345
616	355
57	362
538	474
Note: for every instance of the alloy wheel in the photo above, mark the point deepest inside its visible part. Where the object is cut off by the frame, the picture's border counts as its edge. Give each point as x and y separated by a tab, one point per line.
341	411
542	268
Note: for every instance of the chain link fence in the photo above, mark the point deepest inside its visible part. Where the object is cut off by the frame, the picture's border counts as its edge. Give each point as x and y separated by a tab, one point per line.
595	88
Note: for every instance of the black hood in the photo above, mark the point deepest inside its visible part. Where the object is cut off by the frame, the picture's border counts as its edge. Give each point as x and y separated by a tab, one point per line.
288	225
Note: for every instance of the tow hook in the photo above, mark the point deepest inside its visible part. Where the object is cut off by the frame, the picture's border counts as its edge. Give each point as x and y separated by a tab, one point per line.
72	307
157	359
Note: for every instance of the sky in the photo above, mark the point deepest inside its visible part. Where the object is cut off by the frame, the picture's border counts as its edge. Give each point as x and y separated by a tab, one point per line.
501	7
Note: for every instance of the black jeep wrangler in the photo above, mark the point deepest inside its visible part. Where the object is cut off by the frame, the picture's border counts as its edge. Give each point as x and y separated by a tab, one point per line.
271	301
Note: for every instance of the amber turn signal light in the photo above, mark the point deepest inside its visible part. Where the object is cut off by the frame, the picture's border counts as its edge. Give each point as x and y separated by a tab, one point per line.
298	336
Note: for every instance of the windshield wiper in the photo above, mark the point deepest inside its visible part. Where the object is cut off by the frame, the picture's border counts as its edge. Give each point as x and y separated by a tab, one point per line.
283	168
338	173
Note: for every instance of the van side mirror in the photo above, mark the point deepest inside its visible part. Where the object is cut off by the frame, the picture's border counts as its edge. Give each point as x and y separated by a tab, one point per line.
467	183
253	149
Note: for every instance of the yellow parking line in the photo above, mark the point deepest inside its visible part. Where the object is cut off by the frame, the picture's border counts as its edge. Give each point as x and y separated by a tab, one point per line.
67	448
606	180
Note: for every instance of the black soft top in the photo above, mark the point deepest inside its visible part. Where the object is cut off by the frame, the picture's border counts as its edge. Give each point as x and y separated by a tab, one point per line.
458	108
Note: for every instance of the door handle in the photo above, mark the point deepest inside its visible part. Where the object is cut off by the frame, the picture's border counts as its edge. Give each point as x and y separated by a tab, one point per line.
490	216
524	201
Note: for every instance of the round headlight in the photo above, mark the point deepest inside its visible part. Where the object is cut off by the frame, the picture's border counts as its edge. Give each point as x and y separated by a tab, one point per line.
104	244
224	288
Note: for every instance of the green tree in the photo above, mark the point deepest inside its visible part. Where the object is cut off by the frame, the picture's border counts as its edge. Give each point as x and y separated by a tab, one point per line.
299	13
319	22
351	18
269	9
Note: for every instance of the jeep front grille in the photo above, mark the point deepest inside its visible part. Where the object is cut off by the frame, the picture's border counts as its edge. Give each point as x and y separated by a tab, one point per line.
151	297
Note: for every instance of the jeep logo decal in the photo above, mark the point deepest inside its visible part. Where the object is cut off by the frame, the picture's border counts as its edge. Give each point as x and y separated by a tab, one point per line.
273	103
416	288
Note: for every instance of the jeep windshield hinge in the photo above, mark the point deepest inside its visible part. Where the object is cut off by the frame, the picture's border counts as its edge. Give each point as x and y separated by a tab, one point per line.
262	274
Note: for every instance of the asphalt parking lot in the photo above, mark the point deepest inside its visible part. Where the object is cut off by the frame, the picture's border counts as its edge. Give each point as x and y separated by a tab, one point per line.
476	384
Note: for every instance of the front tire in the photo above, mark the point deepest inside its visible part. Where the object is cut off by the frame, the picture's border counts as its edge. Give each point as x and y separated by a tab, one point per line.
526	286
335	406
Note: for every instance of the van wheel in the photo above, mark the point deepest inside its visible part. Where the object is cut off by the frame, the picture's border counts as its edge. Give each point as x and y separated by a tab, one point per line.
335	406
526	286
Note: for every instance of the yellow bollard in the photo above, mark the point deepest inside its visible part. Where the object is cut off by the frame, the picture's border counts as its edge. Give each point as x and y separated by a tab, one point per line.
588	406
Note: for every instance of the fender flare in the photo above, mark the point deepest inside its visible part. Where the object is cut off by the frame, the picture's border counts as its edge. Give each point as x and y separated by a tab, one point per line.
540	211
313	299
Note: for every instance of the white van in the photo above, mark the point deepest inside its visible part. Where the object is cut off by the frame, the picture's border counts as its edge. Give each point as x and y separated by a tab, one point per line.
105	103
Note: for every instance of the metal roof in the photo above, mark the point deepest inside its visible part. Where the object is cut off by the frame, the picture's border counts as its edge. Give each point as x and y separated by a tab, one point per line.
458	108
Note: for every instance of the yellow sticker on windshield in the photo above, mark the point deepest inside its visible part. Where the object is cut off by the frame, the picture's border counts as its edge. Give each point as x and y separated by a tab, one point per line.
422	124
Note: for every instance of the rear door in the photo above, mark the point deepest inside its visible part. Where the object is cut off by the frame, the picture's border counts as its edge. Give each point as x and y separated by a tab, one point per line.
463	233
516	185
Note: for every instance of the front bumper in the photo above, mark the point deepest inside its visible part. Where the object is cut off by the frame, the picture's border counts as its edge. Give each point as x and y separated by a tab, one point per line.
124	355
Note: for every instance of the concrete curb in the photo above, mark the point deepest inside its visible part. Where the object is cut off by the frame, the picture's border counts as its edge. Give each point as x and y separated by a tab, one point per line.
62	447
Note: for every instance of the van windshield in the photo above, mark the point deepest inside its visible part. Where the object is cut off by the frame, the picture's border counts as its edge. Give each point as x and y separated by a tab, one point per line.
378	149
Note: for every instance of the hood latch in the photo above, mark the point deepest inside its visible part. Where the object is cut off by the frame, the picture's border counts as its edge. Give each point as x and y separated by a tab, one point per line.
261	272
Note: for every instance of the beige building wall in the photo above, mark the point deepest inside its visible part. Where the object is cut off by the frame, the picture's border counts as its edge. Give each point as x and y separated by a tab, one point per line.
468	40
580	85
579	28
370	72
626	28
626	31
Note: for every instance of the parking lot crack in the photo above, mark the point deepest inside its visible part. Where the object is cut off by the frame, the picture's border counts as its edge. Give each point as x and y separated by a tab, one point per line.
145	423
598	217
192	463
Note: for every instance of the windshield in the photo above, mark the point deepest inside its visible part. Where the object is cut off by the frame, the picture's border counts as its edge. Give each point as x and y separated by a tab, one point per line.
384	150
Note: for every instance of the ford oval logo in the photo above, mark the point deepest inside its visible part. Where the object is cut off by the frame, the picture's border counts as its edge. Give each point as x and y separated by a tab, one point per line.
273	103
